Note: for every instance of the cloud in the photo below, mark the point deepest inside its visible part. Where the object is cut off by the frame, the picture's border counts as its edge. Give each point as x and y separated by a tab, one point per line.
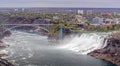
60	3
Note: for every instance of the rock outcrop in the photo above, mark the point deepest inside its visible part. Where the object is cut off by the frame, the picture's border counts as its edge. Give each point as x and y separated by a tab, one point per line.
111	52
3	34
4	62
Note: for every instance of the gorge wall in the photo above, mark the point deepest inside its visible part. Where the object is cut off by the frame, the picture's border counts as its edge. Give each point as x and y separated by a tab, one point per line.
111	52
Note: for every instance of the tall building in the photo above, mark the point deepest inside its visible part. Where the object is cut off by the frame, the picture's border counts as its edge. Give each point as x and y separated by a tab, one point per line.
15	9
23	9
80	11
117	20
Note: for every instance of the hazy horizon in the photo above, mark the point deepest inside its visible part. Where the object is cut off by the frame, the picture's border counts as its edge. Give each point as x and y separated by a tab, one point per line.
60	3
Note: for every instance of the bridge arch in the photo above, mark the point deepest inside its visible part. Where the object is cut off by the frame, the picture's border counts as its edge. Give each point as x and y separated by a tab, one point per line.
9	29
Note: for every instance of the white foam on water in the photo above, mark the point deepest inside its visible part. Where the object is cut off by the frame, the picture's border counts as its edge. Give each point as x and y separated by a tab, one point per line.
85	43
21	41
4	52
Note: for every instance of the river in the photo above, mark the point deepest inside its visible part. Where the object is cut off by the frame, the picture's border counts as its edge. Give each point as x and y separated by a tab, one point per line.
27	49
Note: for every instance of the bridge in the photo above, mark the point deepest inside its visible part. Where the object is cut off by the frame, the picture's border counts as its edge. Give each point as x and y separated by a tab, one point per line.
25	24
46	27
12	26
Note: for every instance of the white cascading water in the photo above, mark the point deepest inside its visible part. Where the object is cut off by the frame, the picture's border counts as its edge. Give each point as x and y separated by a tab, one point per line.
86	43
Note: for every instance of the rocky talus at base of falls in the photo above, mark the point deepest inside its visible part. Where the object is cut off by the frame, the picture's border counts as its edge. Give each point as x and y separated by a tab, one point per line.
111	52
3	62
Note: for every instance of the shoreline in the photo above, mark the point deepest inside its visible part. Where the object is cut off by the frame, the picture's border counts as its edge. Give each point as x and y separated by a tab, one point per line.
4	62
105	57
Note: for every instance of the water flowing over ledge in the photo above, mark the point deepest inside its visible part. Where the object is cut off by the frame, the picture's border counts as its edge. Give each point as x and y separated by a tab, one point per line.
32	49
86	43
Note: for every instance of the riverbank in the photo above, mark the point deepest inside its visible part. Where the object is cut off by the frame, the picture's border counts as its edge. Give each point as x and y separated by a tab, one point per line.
3	62
111	52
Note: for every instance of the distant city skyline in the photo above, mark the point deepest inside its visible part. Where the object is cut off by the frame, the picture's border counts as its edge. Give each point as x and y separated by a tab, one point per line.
61	3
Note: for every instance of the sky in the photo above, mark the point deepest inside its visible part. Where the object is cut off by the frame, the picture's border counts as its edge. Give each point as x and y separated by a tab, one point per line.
61	3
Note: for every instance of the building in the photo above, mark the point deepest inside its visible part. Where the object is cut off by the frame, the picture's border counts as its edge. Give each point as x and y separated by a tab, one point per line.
109	21
15	9
97	20
23	9
77	19
89	12
80	11
117	20
56	18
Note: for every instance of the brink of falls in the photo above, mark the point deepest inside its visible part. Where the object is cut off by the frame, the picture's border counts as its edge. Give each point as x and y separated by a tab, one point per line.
85	43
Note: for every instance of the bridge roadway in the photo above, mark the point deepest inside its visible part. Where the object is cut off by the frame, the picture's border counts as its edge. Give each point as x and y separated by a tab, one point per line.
25	24
34	24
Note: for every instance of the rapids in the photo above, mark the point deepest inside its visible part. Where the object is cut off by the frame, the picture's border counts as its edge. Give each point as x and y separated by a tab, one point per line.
28	49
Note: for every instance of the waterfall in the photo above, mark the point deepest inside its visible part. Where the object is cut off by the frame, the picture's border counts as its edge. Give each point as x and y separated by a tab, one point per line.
86	43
